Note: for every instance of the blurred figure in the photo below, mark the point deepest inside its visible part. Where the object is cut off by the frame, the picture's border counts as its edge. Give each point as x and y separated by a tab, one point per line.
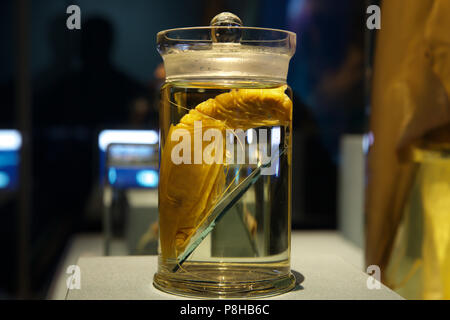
64	48
69	113
99	94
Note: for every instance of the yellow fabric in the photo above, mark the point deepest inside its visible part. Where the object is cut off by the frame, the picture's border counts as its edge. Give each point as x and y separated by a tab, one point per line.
410	99
435	191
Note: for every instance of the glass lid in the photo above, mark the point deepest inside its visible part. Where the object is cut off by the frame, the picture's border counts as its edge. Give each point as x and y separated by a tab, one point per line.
226	49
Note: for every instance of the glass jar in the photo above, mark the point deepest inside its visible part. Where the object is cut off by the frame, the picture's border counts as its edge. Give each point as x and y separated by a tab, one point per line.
225	165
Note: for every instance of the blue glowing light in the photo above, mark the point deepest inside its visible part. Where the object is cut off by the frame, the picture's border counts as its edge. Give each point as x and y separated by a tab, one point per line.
4	179
112	175
9	158
147	178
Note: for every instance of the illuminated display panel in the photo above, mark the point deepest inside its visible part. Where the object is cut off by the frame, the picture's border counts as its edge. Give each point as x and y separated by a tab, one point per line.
10	144
129	158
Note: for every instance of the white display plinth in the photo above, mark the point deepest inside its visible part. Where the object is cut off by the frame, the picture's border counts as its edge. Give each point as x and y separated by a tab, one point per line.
321	275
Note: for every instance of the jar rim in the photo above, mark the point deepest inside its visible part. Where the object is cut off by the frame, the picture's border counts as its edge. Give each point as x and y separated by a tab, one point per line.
226	51
201	28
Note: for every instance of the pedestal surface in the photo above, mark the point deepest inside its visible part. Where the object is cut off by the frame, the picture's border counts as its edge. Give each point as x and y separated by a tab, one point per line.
320	275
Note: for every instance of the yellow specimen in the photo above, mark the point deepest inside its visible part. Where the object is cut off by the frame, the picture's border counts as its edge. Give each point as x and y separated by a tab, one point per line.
187	192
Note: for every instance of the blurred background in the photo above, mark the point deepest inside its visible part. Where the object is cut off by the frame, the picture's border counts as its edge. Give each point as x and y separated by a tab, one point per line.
60	89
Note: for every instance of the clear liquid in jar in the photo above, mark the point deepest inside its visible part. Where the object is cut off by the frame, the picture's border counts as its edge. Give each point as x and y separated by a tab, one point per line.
248	251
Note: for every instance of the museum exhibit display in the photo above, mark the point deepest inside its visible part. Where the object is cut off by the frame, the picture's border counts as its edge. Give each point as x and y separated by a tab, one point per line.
225	100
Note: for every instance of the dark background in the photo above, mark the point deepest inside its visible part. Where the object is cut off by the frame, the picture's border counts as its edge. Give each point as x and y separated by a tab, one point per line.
60	87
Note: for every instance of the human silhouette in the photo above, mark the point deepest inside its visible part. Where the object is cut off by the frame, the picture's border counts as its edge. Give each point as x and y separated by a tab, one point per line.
69	114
